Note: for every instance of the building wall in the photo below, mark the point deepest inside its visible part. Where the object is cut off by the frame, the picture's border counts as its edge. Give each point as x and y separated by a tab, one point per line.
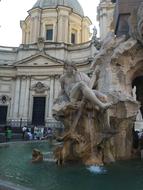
105	17
63	20
21	72
33	69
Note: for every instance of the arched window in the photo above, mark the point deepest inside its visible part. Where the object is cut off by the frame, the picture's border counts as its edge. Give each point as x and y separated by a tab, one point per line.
74	36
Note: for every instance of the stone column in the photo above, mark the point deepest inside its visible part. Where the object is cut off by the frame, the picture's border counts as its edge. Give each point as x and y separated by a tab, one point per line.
51	96
23	27
36	22
31	30
57	86
83	32
16	98
60	28
65	29
55	31
23	36
22	96
26	100
12	98
78	36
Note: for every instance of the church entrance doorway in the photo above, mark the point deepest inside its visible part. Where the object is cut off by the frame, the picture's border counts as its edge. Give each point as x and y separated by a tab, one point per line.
38	117
3	114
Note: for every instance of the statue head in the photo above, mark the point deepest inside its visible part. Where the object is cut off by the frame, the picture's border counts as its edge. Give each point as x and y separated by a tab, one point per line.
70	68
71	64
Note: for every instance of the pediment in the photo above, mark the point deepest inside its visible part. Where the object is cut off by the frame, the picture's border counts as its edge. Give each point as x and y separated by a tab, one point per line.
39	59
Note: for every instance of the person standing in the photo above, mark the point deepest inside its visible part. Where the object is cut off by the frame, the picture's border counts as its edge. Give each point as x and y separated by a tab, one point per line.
23	132
9	133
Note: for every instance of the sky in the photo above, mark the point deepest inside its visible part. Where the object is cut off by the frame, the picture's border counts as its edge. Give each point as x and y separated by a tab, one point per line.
12	11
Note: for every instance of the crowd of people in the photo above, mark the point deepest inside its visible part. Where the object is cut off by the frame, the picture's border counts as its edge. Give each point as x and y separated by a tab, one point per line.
27	133
35	133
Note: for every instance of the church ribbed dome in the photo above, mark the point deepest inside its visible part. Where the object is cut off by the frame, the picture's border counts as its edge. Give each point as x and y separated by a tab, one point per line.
74	4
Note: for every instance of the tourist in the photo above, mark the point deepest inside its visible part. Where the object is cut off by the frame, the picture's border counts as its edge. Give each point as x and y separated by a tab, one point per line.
29	135
135	140
39	134
49	134
23	132
32	132
35	132
8	133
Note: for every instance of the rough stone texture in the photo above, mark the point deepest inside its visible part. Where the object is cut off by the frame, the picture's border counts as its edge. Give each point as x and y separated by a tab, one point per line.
123	10
122	59
93	141
86	141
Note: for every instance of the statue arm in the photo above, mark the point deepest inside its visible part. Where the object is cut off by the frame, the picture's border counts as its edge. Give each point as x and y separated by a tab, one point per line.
62	88
84	77
62	82
94	79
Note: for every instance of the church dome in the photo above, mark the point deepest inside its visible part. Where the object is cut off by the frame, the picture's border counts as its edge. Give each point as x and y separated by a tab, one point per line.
74	4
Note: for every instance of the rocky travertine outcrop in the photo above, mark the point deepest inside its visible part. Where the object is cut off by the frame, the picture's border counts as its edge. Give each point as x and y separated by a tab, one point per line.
105	136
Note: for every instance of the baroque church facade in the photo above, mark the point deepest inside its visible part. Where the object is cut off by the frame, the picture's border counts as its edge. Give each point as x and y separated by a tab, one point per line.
53	32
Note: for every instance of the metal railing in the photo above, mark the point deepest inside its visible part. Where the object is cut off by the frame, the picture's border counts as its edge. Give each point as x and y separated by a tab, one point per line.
52	123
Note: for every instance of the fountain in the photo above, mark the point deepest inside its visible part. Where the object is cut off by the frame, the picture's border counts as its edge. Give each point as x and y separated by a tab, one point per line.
90	136
94	135
98	117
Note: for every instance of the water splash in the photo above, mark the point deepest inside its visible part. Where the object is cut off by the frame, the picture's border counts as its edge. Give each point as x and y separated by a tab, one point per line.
97	169
48	157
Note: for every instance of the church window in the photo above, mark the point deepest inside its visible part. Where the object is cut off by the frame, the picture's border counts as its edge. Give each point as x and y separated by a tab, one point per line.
73	36
49	32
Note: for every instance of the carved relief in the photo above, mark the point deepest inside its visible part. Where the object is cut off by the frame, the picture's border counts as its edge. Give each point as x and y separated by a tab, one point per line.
136	24
39	87
4	99
40	44
95	40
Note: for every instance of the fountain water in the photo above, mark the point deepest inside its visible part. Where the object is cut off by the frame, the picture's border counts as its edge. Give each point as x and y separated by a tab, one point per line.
17	169
97	169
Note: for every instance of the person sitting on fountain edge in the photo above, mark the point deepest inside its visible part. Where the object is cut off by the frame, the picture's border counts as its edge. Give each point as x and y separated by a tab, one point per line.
75	85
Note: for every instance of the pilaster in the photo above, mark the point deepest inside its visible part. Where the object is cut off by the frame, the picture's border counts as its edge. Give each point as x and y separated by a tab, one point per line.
51	96
26	100
16	98
56	86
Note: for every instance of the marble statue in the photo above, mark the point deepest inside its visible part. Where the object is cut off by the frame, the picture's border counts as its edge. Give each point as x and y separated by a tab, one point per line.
95	40
136	23
134	90
84	112
139	116
76	86
98	131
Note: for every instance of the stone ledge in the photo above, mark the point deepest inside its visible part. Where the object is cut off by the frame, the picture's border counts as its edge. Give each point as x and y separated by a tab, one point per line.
6	185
